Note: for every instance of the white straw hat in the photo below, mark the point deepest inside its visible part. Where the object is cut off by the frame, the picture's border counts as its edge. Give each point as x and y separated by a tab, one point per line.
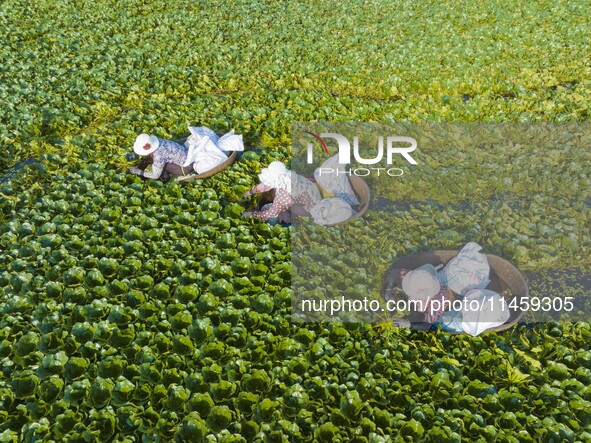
145	144
276	175
421	284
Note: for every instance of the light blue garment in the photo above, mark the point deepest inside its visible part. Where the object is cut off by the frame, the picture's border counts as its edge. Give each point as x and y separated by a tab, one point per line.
450	321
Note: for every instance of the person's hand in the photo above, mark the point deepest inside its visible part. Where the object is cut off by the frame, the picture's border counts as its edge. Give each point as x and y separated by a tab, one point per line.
136	171
402	323
247	214
246	194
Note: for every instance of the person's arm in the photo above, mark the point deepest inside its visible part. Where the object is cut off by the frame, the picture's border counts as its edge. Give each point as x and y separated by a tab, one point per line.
281	203
258	189
154	174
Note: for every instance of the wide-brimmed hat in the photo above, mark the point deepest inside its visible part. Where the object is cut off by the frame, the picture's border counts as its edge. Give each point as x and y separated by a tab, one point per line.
421	283
145	144
276	175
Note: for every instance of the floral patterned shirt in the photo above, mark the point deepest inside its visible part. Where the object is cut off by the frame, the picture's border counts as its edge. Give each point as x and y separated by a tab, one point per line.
281	202
168	152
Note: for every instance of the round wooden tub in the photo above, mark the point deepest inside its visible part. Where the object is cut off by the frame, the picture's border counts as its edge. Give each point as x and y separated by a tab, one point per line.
505	279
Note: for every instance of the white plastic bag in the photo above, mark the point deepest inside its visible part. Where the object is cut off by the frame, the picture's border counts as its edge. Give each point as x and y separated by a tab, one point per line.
483	309
231	142
202	131
204	155
335	183
466	271
331	210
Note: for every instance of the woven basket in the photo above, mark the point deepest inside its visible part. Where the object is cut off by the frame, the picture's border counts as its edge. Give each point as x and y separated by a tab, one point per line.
503	277
219	168
359	187
363	195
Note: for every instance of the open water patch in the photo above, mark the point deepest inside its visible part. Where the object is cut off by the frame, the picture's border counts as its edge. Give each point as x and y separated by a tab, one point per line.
13	171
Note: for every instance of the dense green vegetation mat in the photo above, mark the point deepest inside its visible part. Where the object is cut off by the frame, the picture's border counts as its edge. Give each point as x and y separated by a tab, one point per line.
142	311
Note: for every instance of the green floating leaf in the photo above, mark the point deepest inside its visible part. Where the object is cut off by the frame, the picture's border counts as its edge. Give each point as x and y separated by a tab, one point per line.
192	428
351	404
219	418
327	433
